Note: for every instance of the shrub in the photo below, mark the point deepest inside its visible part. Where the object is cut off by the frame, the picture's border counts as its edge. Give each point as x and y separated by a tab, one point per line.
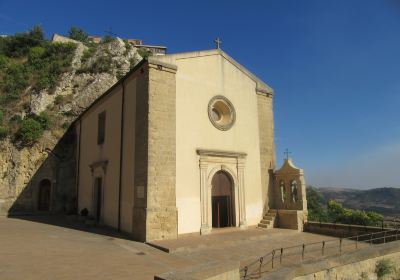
15	80
120	74
47	63
78	34
128	47
88	53
30	131
3	132
19	44
144	53
132	62
101	65
384	267
44	119
1	115
3	62
59	100
107	39
338	214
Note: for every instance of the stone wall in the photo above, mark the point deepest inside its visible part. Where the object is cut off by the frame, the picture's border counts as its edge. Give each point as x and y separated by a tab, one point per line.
291	219
359	264
161	220
267	145
340	230
141	156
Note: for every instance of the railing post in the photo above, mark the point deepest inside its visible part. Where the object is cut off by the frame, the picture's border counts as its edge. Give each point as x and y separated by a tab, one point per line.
370	240
272	260
261	261
340	245
323	247
357	242
302	253
280	257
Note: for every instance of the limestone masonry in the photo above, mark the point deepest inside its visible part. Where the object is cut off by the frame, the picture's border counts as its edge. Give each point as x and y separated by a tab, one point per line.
183	143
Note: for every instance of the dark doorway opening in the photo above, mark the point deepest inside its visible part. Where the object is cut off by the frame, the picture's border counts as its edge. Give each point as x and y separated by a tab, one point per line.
223	214
44	195
98	197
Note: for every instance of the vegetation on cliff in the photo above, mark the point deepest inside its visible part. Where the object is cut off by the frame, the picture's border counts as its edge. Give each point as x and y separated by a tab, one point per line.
28	64
31	69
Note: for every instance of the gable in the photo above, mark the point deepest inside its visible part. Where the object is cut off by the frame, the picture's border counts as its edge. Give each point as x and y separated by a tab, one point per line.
213	55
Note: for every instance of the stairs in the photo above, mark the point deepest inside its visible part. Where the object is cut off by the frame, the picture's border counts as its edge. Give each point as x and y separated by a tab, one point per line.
268	220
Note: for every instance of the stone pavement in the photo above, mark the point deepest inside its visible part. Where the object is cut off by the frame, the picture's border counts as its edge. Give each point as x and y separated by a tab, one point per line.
31	250
243	246
53	248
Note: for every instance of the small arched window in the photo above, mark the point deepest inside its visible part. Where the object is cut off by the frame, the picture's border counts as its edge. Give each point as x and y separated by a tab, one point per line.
293	187
282	188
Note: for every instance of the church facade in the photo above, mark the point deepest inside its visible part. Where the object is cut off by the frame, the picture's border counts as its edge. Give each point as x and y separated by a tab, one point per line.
184	143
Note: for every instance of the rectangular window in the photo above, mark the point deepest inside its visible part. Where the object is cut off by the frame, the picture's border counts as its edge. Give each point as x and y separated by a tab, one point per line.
101	128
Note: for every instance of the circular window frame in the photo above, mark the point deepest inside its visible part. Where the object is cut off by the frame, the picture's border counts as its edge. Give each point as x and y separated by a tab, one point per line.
226	120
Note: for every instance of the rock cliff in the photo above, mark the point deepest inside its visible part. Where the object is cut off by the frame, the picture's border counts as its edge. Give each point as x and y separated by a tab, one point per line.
93	70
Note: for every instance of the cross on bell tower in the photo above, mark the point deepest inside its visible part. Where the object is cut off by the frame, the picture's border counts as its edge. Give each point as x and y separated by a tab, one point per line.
218	43
287	153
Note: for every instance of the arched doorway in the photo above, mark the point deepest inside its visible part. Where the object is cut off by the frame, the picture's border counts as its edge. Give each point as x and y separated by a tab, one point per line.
223	214
44	195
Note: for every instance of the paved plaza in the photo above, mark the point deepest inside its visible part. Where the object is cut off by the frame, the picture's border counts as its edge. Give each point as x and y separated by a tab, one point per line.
56	248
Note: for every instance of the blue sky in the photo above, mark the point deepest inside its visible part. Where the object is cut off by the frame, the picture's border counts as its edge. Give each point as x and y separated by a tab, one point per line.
334	66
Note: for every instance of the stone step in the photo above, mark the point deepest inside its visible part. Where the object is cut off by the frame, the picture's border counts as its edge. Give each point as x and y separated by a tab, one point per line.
263	226
269	218
264	221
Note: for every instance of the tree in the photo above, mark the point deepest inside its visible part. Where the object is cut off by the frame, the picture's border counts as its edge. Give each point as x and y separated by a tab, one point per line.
36	33
315	202
78	34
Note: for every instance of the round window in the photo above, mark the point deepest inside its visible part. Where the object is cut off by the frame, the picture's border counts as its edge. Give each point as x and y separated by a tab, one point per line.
221	112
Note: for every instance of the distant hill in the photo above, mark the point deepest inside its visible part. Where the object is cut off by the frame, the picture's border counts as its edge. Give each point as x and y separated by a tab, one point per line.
385	201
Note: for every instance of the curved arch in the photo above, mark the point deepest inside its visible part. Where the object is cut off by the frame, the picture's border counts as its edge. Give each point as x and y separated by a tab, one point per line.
44	196
225	168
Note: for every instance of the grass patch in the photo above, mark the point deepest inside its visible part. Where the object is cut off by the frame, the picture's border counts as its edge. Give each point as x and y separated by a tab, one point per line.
384	267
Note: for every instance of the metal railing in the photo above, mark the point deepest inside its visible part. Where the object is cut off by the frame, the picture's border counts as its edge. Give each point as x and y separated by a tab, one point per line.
299	253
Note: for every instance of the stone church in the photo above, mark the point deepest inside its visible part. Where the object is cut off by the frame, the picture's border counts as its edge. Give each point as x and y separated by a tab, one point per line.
184	143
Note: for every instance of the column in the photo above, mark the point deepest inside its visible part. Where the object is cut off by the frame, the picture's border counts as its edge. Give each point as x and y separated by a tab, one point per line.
242	200
205	228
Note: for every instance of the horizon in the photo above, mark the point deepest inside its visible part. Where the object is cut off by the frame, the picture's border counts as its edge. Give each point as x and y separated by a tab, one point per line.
333	66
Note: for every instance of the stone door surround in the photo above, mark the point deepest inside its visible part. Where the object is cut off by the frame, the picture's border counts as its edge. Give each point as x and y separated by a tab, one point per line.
233	163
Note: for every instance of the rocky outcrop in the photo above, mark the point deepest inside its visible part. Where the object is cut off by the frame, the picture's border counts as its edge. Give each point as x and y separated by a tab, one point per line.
21	168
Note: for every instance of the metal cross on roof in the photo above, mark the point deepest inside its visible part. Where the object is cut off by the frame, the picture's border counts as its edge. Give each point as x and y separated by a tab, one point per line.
287	153
218	43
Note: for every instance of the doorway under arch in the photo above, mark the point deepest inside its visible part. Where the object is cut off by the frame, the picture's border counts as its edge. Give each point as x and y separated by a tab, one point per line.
223	200
44	195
